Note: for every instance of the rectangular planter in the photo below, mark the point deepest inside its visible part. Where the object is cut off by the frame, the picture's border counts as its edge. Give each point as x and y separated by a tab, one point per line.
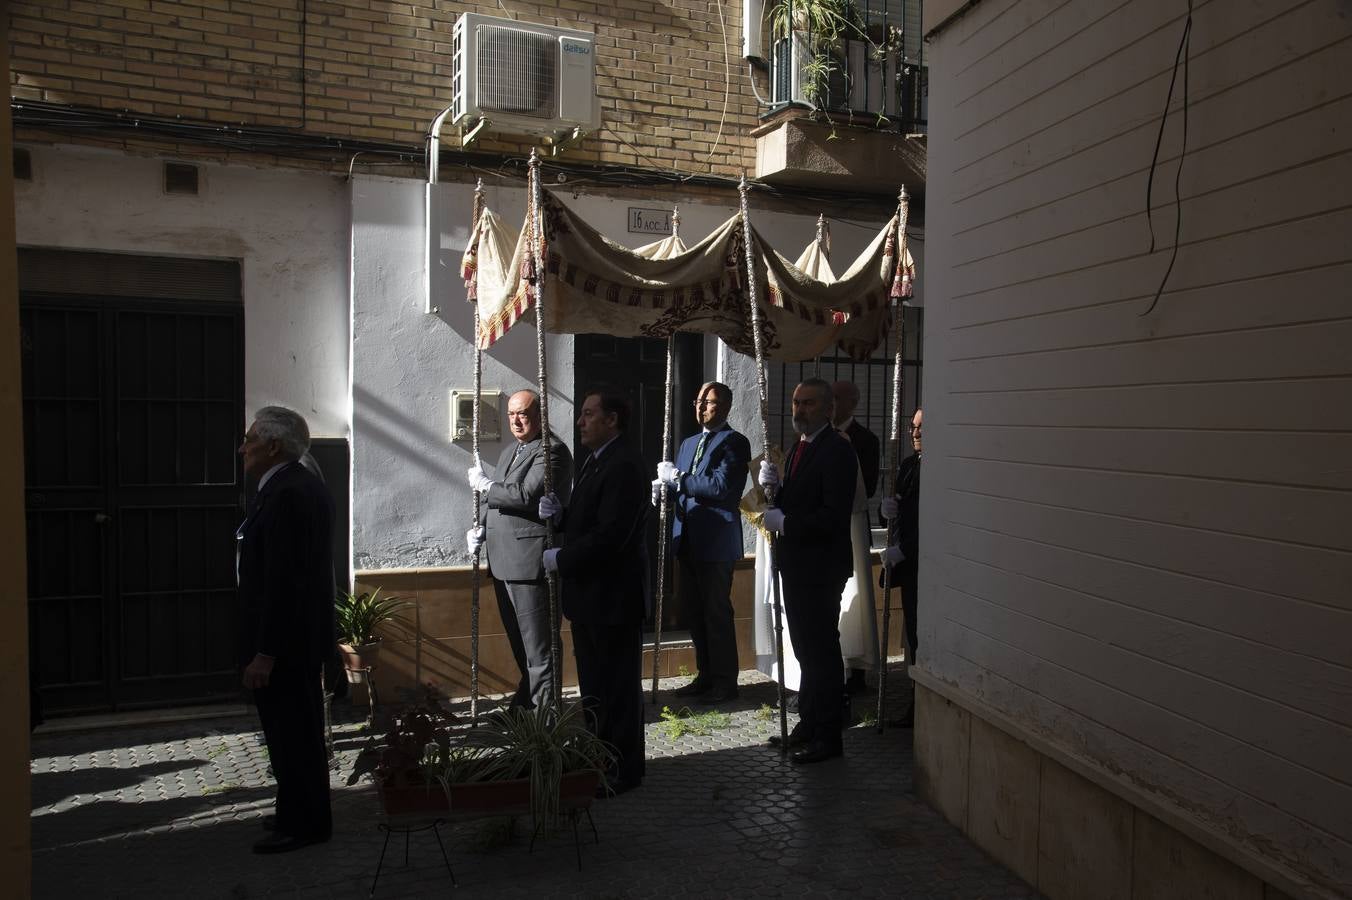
484	798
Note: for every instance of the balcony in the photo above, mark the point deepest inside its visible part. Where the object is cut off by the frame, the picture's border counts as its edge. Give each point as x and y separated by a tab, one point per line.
849	96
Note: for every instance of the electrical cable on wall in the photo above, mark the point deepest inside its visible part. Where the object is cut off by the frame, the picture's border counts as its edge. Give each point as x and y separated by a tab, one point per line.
1181	56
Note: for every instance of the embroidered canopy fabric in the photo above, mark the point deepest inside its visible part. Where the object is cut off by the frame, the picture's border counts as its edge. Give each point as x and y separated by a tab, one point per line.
594	285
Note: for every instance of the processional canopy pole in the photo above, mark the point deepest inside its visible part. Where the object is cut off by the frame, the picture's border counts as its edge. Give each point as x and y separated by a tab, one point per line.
664	509
890	475
537	282
758	343
478	495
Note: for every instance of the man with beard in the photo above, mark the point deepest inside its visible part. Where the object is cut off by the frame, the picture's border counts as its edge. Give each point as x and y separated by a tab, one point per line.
814	498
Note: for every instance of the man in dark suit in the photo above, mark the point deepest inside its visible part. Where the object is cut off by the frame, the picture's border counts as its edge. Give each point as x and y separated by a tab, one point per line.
603	566
865	442
869	450
902	554
286	591
515	538
813	502
706	484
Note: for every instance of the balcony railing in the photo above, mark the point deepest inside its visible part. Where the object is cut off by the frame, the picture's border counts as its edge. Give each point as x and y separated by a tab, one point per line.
862	58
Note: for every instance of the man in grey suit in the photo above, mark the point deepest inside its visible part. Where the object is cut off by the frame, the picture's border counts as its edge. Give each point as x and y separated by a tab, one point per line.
515	539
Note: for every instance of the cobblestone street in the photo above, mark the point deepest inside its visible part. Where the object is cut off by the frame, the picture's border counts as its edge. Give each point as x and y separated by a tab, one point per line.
172	810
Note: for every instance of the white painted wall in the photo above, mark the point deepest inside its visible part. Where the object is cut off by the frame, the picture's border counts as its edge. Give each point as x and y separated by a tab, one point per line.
411	502
288	229
1135	536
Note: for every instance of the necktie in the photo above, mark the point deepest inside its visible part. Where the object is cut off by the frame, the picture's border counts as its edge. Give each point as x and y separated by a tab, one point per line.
699	450
798	451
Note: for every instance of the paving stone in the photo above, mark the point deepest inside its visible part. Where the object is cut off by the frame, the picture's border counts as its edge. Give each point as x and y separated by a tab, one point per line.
171	810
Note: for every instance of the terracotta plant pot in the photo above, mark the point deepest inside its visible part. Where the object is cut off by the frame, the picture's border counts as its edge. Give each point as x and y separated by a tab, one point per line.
360	658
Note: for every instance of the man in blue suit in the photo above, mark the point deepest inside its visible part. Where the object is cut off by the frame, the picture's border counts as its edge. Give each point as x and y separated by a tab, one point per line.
706	483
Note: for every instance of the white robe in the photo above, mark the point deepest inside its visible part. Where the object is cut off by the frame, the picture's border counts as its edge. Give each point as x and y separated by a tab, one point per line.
858	619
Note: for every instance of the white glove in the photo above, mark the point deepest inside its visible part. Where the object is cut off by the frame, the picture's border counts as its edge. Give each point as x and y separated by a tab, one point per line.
774	520
478	481
474	539
551	559
667	473
550	507
888	507
892	555
657	492
769	474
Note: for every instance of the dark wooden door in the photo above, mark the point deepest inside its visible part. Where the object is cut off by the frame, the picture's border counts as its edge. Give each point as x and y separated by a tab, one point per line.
638	367
132	412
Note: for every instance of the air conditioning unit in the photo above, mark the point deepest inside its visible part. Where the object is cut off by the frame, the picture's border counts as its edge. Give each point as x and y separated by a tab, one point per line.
523	79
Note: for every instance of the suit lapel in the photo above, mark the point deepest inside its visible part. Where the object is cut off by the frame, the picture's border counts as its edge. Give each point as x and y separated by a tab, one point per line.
715	438
514	463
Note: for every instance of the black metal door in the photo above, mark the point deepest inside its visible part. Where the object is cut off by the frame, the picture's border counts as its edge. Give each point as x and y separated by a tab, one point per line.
638	367
132	411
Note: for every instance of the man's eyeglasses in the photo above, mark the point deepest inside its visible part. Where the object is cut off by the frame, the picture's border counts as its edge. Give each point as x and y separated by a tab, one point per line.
699	403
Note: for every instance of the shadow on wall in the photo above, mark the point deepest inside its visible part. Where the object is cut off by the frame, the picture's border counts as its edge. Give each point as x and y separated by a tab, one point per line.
516	351
377	421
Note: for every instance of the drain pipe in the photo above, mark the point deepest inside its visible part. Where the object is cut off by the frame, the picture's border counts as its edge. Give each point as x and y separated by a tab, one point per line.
431	239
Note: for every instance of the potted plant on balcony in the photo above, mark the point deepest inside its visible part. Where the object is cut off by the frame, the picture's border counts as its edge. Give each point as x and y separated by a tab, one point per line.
823	47
358	617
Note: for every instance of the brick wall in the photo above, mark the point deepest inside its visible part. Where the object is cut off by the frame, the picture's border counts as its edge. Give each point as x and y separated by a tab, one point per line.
377	70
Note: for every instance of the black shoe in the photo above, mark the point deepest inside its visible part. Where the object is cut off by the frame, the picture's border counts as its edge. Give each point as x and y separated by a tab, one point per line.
695	688
718	695
269	823
285	843
817	751
791	703
798	737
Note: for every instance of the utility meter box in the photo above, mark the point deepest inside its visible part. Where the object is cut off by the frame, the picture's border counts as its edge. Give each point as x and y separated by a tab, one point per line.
462	416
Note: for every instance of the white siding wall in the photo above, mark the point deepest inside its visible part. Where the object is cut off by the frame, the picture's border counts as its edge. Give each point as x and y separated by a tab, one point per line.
1136	530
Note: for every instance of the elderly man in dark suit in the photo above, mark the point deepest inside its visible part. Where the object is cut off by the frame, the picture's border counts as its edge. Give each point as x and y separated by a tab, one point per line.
603	565
813	502
515	538
286	591
706	482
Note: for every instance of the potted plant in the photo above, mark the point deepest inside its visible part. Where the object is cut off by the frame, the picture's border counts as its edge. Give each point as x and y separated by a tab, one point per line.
358	617
538	761
824	46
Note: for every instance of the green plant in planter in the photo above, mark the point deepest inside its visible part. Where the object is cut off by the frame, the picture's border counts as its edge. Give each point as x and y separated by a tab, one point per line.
827	27
540	745
360	614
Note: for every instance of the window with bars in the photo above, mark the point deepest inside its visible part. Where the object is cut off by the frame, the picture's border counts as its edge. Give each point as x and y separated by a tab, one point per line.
873	377
851	56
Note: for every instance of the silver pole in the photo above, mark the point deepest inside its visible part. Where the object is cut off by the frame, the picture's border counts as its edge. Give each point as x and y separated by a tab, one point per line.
903	213
757	341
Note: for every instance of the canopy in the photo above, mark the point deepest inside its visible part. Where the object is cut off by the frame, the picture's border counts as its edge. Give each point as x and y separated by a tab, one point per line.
594	285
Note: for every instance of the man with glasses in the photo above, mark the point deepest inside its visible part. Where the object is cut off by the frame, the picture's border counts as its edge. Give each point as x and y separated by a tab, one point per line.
515	537
902	554
705	484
